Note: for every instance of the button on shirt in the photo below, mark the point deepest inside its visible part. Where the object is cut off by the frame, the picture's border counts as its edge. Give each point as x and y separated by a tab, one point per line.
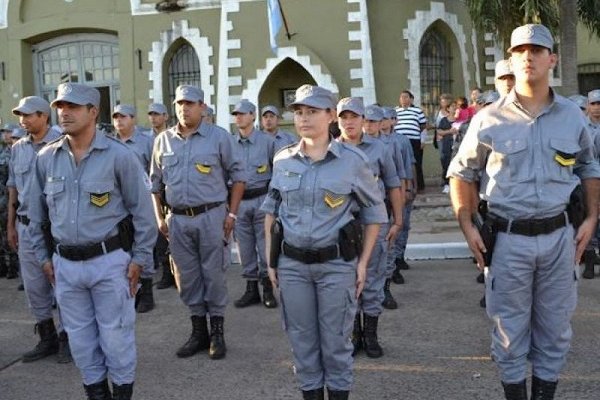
141	145
315	199
85	202
194	169
526	175
21	165
257	151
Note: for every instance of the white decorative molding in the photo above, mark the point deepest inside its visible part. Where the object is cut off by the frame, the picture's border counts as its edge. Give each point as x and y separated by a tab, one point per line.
181	29
364	54
313	67
476	57
3	14
414	32
226	81
493	48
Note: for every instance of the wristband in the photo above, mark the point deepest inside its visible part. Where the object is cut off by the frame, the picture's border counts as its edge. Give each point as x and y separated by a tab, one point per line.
232	216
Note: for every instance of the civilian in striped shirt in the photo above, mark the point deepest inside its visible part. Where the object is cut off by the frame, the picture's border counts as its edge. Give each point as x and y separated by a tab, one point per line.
410	122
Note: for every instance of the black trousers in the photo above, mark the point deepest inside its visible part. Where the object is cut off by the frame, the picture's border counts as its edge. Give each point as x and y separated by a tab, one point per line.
418	151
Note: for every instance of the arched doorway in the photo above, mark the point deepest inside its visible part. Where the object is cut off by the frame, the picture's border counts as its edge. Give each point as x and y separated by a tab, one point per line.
280	85
183	68
435	63
92	59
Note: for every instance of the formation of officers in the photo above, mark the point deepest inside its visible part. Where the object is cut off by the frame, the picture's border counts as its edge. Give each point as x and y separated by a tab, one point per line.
325	219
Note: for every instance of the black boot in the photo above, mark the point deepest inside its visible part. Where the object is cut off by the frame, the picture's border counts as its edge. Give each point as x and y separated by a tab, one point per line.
541	389
357	335
250	296
588	257
122	392
268	298
167	279
64	351
515	391
397	277
217	340
98	391
12	271
198	340
480	278
48	343
401	263
482	302
316	394
371	344
337	394
388	301
146	302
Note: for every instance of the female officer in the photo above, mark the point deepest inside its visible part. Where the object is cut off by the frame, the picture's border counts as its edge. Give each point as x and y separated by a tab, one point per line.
316	186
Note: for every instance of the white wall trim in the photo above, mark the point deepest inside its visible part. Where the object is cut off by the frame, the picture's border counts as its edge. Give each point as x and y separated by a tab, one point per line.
365	73
494	49
416	27
204	51
476	57
226	81
315	69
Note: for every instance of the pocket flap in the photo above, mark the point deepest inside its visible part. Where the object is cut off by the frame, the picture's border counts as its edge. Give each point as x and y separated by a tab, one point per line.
509	146
98	187
565	146
54	187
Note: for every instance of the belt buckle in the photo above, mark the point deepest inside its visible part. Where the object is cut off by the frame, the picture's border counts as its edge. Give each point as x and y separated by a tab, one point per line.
311	257
189	212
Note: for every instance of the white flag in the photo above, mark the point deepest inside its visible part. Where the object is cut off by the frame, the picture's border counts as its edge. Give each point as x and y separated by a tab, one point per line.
275	22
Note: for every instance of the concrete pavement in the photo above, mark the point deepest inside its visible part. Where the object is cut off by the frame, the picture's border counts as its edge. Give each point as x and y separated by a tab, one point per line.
436	347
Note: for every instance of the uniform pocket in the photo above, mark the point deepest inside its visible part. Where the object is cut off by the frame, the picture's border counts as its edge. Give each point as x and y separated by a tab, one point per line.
20	171
98	196
169	168
333	195
55	193
288	185
510	157
564	153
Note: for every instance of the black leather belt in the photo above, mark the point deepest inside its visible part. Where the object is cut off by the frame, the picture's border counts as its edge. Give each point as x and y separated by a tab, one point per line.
310	256
254	193
88	251
23	219
193	211
530	227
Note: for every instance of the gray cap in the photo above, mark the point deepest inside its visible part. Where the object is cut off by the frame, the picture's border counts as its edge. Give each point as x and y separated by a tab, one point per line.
124	109
580	100
31	104
314	96
594	96
188	93
158	108
490	96
244	106
373	113
9	127
209	111
480	99
535	34
389	113
77	93
353	104
18	133
270	108
502	69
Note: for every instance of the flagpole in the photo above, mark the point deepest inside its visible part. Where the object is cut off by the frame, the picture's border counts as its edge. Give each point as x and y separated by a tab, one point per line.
285	24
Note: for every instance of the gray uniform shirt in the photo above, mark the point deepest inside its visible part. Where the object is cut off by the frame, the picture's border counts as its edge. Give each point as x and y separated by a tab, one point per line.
257	151
315	199
402	153
195	170
85	202
283	139
595	132
22	162
141	145
530	164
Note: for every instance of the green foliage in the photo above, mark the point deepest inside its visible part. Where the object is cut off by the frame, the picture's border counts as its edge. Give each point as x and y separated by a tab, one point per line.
589	13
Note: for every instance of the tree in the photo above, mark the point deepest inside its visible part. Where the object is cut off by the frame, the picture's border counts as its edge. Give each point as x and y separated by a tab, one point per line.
561	16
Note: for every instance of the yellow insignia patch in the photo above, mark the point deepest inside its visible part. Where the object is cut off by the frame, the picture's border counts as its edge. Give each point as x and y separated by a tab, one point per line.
99	199
261	169
332	200
203	169
564	161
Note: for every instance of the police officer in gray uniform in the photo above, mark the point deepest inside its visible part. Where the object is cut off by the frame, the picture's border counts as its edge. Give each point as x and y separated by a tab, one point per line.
269	120
257	149
317	184
194	161
34	115
533	148
93	193
353	127
9	262
140	144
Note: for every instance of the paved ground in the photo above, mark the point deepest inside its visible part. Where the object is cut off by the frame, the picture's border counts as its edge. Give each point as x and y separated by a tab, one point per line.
436	347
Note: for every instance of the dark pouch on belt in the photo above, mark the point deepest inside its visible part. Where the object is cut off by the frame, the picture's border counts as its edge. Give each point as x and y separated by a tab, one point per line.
350	240
126	232
576	207
276	242
488	236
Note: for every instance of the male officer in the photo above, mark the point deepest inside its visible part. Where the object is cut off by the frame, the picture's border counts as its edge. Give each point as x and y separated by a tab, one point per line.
208	117
9	263
504	78
141	146
257	150
33	113
92	192
269	119
194	161
532	147
158	116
